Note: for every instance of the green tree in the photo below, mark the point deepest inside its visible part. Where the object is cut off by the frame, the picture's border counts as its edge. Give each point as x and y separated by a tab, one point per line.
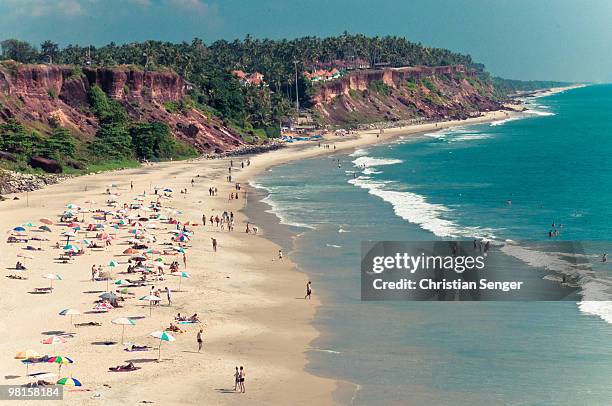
153	141
20	51
49	51
15	138
59	145
113	142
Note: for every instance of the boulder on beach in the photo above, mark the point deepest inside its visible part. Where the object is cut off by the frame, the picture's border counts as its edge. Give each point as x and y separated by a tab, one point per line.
46	164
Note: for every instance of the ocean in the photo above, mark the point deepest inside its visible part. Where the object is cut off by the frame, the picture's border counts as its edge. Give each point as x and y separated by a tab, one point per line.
506	181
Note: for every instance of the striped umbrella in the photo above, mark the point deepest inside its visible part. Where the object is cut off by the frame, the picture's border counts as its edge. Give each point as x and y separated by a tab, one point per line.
163	336
54	340
26	356
59	360
69	382
69	312
52	277
181	275
151	299
123	321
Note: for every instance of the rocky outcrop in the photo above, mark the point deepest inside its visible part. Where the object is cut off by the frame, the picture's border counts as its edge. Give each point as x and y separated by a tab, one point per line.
16	182
47	94
46	164
408	93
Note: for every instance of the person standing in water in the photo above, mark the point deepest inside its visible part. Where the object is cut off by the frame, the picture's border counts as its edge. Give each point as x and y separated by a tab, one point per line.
308	290
280	255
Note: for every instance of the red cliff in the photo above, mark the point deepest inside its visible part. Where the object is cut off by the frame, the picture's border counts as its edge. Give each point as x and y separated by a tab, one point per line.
38	94
394	94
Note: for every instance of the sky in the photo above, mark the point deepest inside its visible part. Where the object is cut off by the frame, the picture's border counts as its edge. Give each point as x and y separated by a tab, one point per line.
565	40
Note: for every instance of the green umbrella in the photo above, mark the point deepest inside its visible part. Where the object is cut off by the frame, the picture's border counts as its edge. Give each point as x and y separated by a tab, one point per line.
123	321
163	336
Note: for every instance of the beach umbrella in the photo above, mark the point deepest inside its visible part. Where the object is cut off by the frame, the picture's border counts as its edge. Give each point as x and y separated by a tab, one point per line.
153	251
178	249
122	282
102	307
181	275
123	321
139	258
72	206
130	251
25	356
69	312
168	190
73	225
29	225
151	299
69	382
19	229
54	340
113	263
46	221
71	248
52	277
45	228
59	360
108	296
163	336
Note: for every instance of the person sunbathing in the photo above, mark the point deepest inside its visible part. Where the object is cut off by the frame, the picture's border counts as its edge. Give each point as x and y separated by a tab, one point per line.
194	318
174	328
135	347
19	266
127	367
16	277
91	323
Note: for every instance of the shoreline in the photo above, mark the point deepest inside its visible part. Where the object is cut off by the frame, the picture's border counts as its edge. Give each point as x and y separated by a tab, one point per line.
249	318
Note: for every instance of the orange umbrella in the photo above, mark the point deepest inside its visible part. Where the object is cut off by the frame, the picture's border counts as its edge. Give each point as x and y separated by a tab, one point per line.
46	221
130	251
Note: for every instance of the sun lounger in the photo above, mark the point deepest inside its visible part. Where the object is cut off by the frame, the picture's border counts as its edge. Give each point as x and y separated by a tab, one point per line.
122	368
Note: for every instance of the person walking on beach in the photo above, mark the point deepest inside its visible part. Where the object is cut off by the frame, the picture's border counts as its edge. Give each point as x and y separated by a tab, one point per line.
199	338
131	185
308	290
168	296
214	244
185	260
236	379
242	377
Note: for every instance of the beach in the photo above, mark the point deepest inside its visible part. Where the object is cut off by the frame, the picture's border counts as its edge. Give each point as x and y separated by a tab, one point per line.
250	303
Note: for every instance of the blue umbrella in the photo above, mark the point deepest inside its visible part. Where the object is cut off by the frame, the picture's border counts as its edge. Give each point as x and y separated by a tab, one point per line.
19	229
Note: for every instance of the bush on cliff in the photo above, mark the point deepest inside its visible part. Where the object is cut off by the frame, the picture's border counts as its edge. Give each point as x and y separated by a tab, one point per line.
154	141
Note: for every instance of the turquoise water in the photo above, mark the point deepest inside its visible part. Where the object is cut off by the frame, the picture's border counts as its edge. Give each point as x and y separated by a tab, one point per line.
552	165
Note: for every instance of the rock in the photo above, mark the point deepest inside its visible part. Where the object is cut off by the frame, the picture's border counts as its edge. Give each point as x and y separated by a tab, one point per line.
8	156
15	182
46	164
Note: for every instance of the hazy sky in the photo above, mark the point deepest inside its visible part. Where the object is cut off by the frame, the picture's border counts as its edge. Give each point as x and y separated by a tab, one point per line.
523	39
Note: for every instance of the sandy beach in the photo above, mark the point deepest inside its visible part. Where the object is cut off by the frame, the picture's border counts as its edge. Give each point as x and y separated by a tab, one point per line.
250	303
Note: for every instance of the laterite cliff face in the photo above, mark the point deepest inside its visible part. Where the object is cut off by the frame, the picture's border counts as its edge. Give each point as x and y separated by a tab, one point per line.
451	92
36	94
